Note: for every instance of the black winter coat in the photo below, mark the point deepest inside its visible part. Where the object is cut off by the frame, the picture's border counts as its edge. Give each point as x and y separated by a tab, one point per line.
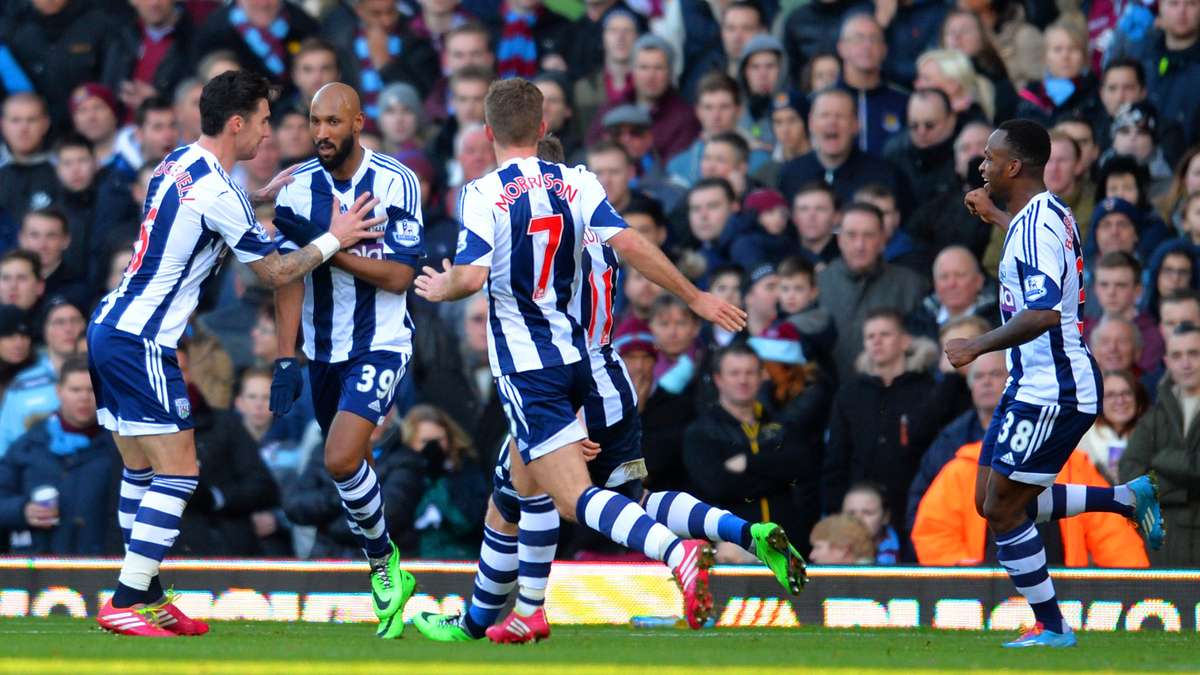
86	502
178	64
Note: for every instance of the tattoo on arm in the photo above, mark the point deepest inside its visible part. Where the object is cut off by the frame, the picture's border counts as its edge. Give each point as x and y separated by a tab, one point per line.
278	270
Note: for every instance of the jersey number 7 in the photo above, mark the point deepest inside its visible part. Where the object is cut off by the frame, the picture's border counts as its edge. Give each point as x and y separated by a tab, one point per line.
552	225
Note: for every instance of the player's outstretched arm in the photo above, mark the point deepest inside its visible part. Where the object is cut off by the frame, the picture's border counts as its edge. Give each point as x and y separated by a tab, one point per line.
454	282
1027	325
345	229
648	259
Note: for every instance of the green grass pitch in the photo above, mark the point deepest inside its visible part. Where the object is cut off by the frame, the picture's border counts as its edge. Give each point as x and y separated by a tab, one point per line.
61	645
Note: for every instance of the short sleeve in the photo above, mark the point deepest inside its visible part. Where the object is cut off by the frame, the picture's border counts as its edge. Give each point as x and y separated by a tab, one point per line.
231	217
476	233
404	239
598	213
1041	263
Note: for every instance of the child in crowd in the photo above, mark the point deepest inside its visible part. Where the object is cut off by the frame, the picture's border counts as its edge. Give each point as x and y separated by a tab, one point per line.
798	293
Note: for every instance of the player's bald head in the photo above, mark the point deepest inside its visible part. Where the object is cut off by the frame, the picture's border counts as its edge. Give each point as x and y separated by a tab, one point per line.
336	98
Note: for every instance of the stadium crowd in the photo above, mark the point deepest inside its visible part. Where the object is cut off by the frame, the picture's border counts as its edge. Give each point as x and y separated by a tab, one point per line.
805	159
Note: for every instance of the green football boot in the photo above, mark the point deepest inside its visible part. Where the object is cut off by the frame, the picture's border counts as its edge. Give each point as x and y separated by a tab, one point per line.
391	587
772	547
441	627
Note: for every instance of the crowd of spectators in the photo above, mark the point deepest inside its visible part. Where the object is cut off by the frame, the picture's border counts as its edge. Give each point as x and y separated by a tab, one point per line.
805	159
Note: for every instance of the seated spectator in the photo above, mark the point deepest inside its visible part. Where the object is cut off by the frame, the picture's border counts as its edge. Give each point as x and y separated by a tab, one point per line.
944	220
155	53
986	377
815	215
239	27
673	123
738	456
1185	182
611	81
718	100
822	72
629	127
790	131
1080	130
962	31
283	457
1161	442
558	109
1018	41
155	134
33	391
761	299
865	502
1066	86
21	282
771	238
1121	176
762	72
841	539
925	155
27	179
833	124
454	495
47	233
675	329
727	283
1116	343
873	431
726	156
665	415
901	248
798	303
810	30
615	171
958	291
1122	81
1172	39
972	97
1125	401
949	531
1135	132
1117	227
713	224
16	345
1066	176
216	62
464	43
860	281
95	115
1118	284
187	110
1171	270
71	453
862	48
468	87
90	224
314	65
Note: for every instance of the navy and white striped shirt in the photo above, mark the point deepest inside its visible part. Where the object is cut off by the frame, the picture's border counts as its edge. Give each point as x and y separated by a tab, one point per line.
194	213
345	317
1042	268
526	222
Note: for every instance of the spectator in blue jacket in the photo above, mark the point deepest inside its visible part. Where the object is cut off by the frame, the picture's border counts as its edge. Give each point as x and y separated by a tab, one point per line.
882	107
70	452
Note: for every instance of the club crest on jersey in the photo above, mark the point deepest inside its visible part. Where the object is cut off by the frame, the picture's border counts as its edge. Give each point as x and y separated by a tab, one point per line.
1007	302
1035	287
183	407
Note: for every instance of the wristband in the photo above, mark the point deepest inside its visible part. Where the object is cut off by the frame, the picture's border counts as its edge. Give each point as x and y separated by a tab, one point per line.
327	244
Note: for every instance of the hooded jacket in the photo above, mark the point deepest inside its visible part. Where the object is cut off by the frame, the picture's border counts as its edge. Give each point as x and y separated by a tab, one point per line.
755	118
948	531
882	114
1151	297
1159	444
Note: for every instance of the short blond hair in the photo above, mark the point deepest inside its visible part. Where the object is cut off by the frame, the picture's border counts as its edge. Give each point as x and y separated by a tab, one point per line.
845	531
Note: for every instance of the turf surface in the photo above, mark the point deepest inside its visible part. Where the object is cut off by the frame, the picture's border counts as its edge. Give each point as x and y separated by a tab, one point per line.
76	646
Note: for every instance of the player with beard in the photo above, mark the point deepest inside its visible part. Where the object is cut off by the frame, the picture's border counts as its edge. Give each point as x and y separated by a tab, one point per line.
357	331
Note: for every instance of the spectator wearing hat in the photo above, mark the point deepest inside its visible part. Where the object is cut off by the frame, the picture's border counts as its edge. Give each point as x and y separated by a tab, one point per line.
152	55
95	115
717	102
673	124
881	106
16	345
71	452
1134	132
739	455
401	119
836	160
1124	177
665	415
60	45
1170	56
32	392
761	298
27	179
762	73
874	430
799	393
629	127
771	239
861	281
1116	225
610	81
925	154
790	131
